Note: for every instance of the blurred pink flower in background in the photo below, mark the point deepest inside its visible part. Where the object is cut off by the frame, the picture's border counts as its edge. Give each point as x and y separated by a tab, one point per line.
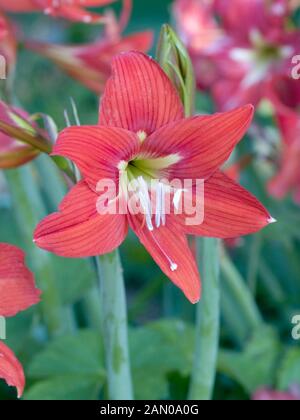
90	64
15	123
265	394
8	46
74	10
285	96
246	44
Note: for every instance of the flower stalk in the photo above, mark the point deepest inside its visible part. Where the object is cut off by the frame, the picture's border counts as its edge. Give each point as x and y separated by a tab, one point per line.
176	62
207	322
241	293
114	327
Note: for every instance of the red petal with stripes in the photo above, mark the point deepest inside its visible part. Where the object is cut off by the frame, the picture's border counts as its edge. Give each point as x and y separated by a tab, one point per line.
78	230
139	96
202	143
229	210
11	369
169	248
17	287
96	150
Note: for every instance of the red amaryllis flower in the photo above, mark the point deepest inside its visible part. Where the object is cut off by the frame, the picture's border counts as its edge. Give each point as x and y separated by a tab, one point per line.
74	10
254	44
143	137
285	96
8	47
91	64
14	124
17	293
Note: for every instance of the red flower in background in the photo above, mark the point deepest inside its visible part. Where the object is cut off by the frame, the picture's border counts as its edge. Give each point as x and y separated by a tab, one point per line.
74	10
285	96
246	47
8	47
17	293
143	135
90	64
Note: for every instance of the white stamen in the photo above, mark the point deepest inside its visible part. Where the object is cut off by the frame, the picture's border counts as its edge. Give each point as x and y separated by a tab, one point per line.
159	199
163	208
173	265
145	201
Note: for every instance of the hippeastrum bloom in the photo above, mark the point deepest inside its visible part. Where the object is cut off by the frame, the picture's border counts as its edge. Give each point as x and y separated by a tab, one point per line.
20	139
17	293
285	96
90	64
248	43
74	10
8	47
142	136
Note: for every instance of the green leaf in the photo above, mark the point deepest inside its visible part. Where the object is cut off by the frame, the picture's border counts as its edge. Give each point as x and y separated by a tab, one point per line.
256	365
160	348
74	277
79	354
289	371
66	388
70	366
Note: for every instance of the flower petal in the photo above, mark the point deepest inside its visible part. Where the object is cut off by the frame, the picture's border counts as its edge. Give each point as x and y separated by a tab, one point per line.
169	248
96	150
139	96
202	143
17	288
78	230
90	63
229	210
11	369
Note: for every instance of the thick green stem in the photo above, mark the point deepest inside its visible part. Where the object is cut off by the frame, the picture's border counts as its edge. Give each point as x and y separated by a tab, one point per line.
241	294
114	325
92	308
29	210
207	323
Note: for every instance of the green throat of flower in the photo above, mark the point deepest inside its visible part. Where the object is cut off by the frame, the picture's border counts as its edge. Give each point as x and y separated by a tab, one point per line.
141	178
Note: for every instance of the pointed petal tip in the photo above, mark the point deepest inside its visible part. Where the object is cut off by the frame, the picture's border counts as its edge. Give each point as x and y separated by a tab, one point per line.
195	300
271	220
250	109
195	297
